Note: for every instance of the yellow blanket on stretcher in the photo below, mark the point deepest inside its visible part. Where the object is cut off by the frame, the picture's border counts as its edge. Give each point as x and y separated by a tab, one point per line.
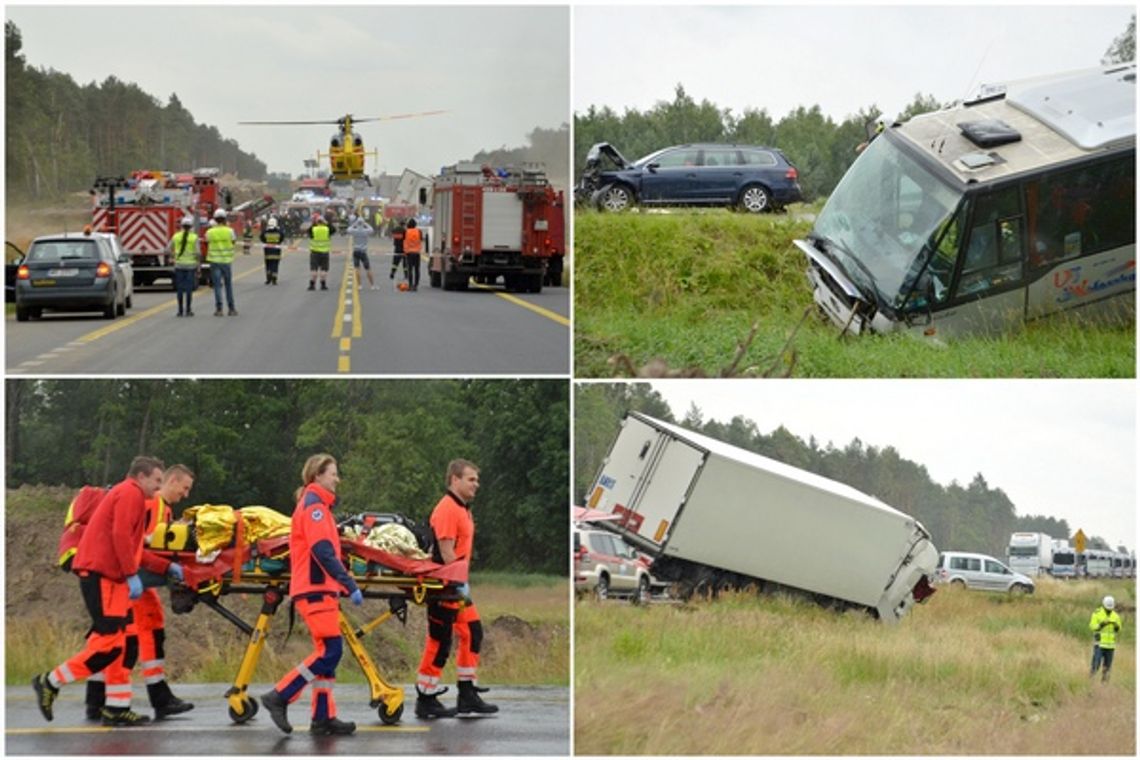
214	525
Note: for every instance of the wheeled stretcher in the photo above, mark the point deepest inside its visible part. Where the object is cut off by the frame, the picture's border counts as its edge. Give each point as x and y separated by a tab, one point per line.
261	567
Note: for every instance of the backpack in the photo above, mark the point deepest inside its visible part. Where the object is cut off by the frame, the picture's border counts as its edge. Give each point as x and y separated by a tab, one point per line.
79	513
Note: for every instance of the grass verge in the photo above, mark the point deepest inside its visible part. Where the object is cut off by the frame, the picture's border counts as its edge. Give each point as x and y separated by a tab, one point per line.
681	290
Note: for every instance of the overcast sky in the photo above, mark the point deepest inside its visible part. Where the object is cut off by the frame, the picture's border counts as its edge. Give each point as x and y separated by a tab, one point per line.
1064	449
778	58
499	71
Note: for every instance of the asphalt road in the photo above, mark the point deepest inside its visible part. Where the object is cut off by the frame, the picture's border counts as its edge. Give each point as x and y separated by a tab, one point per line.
289	330
530	721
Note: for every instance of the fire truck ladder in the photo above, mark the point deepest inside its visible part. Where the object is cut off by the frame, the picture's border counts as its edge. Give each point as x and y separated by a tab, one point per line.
468	212
110	185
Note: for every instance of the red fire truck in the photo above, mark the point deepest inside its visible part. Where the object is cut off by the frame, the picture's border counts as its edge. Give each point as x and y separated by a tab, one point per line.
146	209
490	223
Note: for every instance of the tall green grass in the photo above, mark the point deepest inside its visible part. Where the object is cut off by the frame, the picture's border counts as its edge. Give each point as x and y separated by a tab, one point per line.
966	673
686	288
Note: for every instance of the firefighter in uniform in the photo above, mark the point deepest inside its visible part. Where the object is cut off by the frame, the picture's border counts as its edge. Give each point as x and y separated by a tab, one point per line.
320	244
220	255
271	239
397	247
246	238
454	530
149	620
413	246
317	578
1105	624
108	561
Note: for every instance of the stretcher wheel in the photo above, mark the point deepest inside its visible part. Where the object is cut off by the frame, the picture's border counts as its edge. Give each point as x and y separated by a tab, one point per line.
249	708
392	719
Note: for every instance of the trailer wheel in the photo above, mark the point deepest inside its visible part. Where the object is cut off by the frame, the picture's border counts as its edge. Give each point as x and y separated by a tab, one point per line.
393	718
249	708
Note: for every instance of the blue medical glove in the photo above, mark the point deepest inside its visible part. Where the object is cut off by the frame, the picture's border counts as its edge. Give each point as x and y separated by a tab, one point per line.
175	572
134	586
357	597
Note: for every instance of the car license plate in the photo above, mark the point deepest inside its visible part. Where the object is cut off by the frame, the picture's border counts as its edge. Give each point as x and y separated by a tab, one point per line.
70	272
43	282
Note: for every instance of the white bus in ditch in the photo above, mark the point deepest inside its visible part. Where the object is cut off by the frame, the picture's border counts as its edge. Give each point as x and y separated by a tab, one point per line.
980	217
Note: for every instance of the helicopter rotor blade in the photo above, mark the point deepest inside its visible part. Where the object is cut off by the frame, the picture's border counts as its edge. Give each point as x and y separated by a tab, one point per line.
264	123
399	116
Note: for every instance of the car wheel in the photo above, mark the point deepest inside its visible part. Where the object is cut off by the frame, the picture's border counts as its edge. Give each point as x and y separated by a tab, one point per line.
602	590
23	313
121	309
112	308
615	198
128	302
755	199
1018	589
958	583
642	595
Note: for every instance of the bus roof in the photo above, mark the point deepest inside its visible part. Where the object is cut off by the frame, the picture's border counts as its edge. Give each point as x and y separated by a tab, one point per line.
1050	120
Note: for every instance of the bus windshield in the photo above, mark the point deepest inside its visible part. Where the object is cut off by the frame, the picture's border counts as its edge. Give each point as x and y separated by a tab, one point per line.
883	214
1023	551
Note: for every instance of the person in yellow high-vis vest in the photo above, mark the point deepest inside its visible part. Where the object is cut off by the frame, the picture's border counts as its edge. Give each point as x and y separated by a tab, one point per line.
220	243
1105	624
184	246
320	244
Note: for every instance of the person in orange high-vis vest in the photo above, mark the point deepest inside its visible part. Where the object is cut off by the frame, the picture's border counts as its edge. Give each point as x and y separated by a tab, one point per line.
149	620
317	579
108	561
413	247
454	530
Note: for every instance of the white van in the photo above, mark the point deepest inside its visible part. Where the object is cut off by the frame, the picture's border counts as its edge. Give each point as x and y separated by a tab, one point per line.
980	571
975	219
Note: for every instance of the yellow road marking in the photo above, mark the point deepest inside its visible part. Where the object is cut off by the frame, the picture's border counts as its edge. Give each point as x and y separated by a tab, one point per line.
346	344
119	324
553	316
347	286
338	318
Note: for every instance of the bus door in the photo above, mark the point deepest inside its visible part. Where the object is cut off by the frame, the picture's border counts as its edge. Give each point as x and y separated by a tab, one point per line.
977	277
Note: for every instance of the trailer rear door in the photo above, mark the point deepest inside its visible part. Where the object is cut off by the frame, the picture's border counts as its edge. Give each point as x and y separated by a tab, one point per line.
646	480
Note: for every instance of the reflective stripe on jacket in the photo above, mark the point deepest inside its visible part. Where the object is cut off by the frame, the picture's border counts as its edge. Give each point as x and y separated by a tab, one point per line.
220	245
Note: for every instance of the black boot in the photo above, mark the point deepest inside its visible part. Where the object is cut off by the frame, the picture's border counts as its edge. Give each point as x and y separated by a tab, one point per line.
471	702
164	702
332	727
429	706
123	716
45	694
277	706
96	696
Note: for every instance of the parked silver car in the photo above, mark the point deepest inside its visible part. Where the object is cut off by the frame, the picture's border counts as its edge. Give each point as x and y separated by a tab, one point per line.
606	565
980	571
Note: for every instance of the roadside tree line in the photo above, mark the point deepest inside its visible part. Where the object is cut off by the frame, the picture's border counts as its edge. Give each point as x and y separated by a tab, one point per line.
247	439
971	517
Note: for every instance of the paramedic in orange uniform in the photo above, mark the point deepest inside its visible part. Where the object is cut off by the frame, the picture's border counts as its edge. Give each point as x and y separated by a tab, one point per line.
108	562
454	530
317	579
149	620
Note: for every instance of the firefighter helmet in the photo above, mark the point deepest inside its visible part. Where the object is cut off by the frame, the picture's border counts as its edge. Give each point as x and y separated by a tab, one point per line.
272	223
1109	603
187	221
220	214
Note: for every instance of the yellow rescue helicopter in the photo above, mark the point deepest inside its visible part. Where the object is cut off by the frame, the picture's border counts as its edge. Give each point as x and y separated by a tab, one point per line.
346	147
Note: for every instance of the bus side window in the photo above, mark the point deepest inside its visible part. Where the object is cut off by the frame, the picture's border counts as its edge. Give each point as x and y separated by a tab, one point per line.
1083	211
994	251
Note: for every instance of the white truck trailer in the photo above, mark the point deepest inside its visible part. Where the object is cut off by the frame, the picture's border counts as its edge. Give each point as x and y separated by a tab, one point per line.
1064	559
1030	553
714	516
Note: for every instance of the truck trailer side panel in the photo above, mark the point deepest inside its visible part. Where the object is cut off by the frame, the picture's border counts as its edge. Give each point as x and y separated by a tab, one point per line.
686	496
769	526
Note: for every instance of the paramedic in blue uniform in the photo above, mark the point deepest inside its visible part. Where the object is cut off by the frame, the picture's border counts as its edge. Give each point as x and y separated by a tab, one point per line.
317	579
